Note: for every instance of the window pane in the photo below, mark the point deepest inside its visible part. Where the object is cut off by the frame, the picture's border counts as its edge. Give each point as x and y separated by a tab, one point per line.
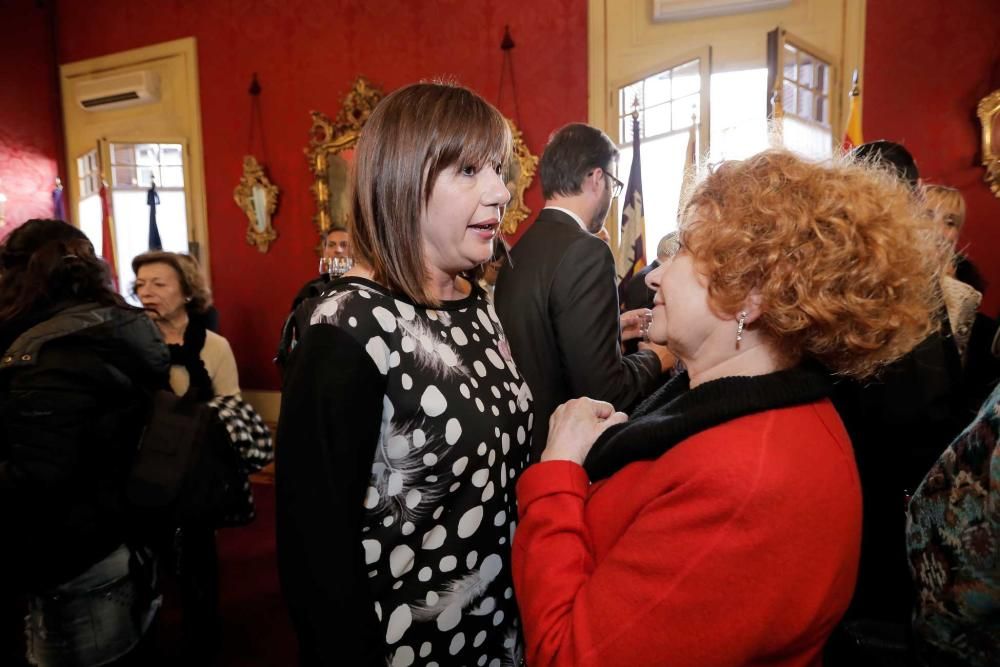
823	109
173	177
627	129
806	67
145	176
132	229
123	176
89	212
807	139
630	94
822	77
739	124
147	153
805	101
657	120
686	79
171	154
788	97
789	66
683	110
122	154
658	89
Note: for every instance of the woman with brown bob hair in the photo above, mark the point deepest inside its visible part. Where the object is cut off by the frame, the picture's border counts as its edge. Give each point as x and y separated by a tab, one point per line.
720	524
404	421
173	291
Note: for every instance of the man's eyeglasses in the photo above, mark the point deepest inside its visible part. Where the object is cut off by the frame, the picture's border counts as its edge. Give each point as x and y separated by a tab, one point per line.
616	185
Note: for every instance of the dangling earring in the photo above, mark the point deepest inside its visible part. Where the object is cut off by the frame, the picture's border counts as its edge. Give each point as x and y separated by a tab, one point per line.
739	325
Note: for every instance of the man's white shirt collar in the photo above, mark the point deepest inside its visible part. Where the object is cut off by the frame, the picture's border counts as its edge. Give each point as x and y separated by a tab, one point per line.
571	214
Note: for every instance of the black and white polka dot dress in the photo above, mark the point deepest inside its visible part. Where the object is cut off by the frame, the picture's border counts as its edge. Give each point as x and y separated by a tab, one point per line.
439	511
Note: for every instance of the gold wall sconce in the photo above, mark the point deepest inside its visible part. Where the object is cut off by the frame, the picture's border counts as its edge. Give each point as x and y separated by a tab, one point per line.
258	198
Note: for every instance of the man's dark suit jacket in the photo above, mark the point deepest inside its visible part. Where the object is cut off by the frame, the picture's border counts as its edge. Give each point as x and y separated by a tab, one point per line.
559	308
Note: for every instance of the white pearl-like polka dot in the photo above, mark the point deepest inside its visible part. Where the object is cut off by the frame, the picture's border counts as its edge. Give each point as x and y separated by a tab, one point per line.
433	401
457	642
399	622
401	560
434	538
470	521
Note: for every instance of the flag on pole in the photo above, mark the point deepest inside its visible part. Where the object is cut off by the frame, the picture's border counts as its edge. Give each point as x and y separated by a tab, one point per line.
632	247
58	204
107	239
153	200
852	135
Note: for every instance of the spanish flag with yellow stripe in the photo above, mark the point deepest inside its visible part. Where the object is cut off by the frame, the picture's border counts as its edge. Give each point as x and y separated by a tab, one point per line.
852	135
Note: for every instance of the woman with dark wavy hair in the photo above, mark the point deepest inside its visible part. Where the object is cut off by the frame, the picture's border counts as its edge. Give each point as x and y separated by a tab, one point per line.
75	372
720	523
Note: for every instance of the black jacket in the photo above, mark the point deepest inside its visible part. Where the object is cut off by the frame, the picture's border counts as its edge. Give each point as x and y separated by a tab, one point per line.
73	400
559	308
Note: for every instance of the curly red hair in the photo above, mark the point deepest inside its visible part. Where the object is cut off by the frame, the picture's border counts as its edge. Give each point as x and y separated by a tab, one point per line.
839	254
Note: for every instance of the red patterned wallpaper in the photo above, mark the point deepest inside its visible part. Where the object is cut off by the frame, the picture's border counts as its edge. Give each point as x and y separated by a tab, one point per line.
30	121
306	55
927	65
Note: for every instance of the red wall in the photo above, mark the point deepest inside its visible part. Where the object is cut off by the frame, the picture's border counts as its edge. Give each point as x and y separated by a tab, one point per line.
927	65
30	119
307	55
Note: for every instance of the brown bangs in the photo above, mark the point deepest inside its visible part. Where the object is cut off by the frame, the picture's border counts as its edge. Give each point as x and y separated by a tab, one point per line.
469	131
412	136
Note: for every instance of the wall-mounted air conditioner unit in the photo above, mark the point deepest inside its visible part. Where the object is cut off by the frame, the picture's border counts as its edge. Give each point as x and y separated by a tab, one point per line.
118	91
688	10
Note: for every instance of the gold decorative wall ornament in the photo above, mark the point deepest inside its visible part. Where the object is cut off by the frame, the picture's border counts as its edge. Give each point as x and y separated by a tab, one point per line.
258	198
330	141
989	116
518	177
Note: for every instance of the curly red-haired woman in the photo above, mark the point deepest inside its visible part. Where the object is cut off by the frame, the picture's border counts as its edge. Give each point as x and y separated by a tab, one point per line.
721	523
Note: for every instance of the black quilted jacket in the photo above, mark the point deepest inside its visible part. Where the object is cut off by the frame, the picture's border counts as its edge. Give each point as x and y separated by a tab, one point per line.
73	399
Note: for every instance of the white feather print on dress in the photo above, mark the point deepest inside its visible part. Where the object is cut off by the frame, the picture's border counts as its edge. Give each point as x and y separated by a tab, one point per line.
326	311
400	469
513	648
446	606
431	353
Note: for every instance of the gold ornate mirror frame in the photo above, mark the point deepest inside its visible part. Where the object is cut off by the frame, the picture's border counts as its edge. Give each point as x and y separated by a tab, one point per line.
258	198
328	138
520	171
989	116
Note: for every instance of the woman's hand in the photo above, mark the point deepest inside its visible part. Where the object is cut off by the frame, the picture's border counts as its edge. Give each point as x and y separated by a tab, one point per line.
575	427
634	323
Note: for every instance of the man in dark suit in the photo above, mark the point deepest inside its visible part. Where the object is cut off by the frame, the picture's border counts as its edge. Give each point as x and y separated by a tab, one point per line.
558	301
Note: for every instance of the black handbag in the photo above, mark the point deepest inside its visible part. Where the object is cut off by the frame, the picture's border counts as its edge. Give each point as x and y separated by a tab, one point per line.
185	468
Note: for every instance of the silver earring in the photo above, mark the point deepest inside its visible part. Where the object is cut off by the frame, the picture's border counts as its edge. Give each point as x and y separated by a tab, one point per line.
739	325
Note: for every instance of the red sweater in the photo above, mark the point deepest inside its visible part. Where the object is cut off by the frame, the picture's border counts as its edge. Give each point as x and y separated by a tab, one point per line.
738	546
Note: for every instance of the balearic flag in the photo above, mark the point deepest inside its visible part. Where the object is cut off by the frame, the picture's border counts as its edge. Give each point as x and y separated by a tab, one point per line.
632	248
